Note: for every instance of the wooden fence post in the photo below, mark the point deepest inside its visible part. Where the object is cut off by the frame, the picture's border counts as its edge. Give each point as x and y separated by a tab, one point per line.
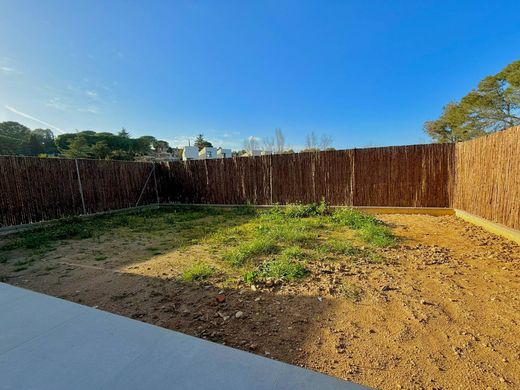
145	184
155	181
80	187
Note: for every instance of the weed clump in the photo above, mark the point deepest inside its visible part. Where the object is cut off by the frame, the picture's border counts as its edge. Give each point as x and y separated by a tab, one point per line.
371	230
197	272
302	210
281	268
351	291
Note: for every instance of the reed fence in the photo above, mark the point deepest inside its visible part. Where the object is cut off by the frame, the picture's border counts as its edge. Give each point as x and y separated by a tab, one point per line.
414	176
480	176
35	189
488	177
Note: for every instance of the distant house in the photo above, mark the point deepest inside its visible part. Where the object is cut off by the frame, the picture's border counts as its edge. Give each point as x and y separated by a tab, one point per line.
207	153
251	153
190	153
224	153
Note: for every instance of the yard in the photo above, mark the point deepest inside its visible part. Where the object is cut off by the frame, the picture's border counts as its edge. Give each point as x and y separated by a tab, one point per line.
409	301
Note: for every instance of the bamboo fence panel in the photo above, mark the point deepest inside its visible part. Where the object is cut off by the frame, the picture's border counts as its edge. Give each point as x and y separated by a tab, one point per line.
414	176
488	177
404	176
111	185
36	189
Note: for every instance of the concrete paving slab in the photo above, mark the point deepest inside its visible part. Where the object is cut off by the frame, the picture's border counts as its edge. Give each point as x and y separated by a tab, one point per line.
49	343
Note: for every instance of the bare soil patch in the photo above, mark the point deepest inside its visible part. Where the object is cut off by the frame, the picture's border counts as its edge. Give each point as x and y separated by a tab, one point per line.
440	309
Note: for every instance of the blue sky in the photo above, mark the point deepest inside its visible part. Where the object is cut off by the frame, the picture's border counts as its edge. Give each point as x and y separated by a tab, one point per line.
368	73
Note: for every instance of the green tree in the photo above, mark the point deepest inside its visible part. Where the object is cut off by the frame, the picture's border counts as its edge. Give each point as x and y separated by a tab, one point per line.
200	142
13	138
44	138
144	144
120	154
78	148
123	133
493	106
161	146
100	150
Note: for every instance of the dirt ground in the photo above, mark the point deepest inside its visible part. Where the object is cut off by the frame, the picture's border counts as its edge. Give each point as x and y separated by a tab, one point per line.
442	312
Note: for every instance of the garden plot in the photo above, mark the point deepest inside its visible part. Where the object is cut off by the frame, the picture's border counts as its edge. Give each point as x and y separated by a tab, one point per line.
398	300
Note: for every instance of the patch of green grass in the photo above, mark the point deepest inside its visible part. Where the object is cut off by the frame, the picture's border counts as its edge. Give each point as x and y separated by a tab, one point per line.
22	265
245	209
353	218
293	252
197	272
288	233
301	210
100	258
336	247
226	236
371	230
351	291
259	246
3	259
281	268
378	235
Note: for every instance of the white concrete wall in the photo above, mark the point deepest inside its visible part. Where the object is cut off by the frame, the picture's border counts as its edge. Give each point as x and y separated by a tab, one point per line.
224	153
190	153
208	153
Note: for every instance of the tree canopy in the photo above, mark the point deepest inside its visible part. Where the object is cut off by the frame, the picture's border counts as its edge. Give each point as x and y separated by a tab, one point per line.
17	139
201	142
493	106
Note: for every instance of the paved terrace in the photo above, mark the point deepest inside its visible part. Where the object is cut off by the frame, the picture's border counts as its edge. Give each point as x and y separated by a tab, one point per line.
50	343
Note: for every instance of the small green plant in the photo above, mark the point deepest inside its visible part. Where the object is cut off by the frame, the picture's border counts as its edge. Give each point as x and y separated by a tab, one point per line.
197	272
306	210
283	269
280	268
351	291
100	258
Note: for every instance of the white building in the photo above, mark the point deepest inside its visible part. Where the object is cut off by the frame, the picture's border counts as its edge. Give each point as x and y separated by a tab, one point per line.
208	153
224	153
190	153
